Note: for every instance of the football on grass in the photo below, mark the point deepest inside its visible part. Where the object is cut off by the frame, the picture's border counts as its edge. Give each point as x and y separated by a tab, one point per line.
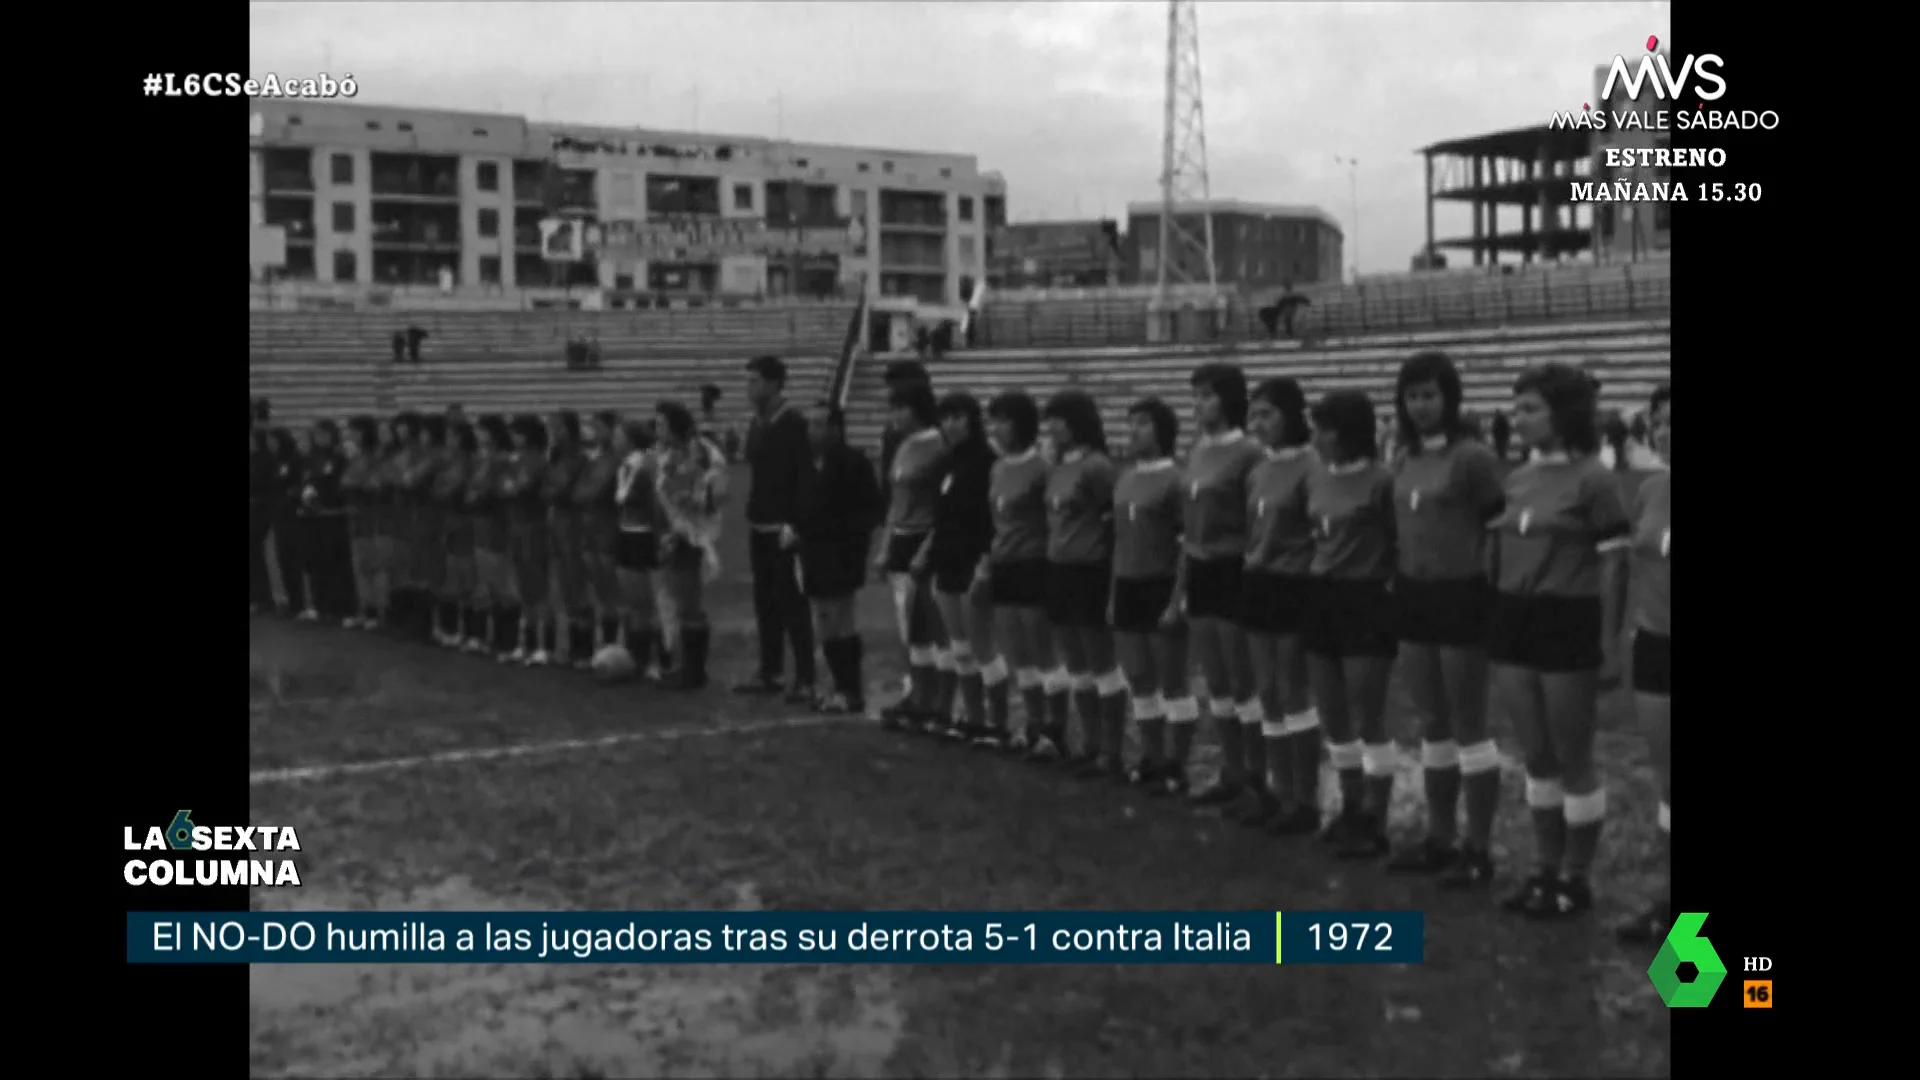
613	662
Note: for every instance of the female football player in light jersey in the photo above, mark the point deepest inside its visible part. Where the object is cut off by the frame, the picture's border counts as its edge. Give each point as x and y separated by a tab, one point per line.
1648	601
636	523
1148	637
1350	634
1278	583
919	465
1214	542
1016	563
690	484
1446	488
1079	581
1564	520
962	533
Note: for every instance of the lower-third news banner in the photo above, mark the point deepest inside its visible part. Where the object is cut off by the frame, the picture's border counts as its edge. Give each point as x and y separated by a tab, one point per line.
775	937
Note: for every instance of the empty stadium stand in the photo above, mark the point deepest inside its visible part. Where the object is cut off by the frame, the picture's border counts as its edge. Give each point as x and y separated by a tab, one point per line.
320	337
1628	355
1073	318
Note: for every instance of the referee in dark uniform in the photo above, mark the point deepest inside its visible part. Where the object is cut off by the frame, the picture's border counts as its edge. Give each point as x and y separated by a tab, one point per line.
781	459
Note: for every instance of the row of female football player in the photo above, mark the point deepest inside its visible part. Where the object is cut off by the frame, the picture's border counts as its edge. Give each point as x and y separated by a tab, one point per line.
532	541
1291	568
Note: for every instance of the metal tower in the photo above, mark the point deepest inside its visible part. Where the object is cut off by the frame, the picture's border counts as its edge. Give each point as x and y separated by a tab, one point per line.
1185	258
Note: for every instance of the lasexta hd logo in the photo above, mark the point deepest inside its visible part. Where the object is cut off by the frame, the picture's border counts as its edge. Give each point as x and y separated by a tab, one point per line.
211	855
1684	945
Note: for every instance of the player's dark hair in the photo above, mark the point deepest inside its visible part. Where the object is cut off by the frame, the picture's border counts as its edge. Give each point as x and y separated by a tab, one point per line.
1228	383
462	436
678	420
436	428
1573	403
1429	366
1081	416
1166	423
495	427
282	444
770	368
906	371
608	421
638	433
1022	413
1348	414
331	430
836	416
917	399
1285	395
966	406
532	429
569	424
366	432
1662	395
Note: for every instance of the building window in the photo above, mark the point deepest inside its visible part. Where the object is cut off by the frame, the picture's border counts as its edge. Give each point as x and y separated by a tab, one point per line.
489	269
886	166
966	208
623	282
620	190
487	176
865	167
345	266
343	217
966	251
343	168
743	196
489	223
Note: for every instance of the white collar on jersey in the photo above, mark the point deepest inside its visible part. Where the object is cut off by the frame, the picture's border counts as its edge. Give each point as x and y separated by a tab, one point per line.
1558	457
1433	442
1347	468
1225	438
1153	464
924	434
1022	457
1073	455
1285	453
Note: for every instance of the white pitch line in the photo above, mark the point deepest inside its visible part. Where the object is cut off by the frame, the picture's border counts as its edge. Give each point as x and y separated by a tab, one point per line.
565	746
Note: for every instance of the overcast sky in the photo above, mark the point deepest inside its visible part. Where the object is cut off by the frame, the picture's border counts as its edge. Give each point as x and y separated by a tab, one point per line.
1063	99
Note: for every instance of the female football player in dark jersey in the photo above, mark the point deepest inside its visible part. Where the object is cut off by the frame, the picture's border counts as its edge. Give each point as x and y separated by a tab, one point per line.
1209	590
1016	563
1446	488
289	525
1152	649
1080	581
526	512
1278	583
427	567
1349	633
842	509
1648	601
454	621
399	473
495	594
919	465
360	484
1564	520
329	555
564	625
962	533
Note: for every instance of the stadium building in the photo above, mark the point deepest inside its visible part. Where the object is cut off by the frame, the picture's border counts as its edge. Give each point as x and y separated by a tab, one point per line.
1254	244
1628	232
1043	254
477	204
